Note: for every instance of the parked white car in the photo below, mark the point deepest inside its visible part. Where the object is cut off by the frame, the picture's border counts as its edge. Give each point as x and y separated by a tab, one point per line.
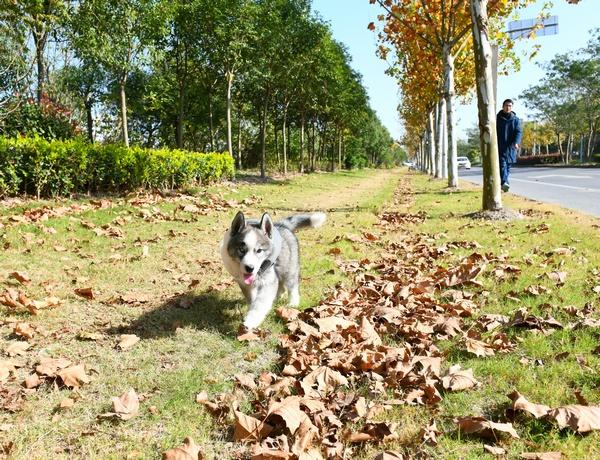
463	162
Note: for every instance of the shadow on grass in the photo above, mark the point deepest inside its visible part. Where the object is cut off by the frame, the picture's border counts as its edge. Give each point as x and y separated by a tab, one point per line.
208	310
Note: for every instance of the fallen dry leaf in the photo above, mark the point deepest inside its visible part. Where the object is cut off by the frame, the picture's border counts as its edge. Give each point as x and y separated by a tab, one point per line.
17	348
287	314
127	341
458	379
541	455
125	407
331	323
24	330
189	451
249	428
484	427
389	455
289	410
325	379
74	376
579	418
478	348
21	277
50	366
494	450
32	381
521	403
6	369
86	293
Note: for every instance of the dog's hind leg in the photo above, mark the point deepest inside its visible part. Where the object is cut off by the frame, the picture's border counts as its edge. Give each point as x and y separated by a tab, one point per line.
292	286
261	305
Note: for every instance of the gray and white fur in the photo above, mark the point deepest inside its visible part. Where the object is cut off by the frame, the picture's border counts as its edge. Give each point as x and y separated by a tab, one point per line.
263	257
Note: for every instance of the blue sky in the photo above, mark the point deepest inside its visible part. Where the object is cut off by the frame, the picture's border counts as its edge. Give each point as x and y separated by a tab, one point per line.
349	20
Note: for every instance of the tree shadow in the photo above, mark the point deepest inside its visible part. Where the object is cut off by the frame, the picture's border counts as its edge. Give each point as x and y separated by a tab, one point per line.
209	310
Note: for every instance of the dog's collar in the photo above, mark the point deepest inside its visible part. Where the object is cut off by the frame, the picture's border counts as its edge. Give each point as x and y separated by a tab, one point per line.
265	266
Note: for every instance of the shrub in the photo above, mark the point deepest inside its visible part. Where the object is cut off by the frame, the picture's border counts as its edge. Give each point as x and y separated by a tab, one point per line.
61	167
48	119
538	159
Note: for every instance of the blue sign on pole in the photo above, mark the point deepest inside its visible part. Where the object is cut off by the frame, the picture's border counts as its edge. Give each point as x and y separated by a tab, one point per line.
537	26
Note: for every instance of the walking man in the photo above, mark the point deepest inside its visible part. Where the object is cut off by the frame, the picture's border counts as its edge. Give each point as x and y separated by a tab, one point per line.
509	132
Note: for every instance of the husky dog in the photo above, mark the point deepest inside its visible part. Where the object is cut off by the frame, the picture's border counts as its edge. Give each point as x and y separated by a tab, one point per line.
263	258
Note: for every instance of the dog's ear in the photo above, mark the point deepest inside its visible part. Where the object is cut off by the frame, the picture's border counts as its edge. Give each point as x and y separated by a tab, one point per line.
238	223
266	225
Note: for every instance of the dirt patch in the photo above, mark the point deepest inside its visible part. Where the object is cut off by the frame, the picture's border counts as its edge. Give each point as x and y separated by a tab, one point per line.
503	214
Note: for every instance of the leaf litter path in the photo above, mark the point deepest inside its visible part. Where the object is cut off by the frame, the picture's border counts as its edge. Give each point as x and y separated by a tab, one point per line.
371	347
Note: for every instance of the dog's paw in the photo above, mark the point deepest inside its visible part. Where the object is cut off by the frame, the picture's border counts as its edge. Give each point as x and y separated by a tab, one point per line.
253	320
294	298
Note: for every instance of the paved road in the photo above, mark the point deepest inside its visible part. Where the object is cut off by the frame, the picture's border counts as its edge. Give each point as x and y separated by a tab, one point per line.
574	188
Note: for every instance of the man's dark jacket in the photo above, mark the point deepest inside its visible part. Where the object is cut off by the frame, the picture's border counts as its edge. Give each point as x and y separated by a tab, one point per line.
508	127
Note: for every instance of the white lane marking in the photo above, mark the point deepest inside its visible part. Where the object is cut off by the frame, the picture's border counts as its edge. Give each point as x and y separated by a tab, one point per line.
584	189
562	176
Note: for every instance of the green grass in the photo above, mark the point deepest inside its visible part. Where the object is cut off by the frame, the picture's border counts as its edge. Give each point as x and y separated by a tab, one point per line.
188	335
183	350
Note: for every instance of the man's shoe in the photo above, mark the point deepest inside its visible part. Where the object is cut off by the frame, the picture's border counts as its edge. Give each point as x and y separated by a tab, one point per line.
505	187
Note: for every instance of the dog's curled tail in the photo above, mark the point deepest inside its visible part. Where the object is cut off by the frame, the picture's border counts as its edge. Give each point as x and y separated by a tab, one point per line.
300	221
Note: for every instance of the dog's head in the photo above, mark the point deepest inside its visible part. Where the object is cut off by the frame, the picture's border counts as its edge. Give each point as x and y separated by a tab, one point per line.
250	245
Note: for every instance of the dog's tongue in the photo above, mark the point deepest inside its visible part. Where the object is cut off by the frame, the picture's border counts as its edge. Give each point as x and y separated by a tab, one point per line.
249	278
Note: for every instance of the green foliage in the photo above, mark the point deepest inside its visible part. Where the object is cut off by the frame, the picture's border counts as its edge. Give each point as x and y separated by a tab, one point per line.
61	167
471	147
48	119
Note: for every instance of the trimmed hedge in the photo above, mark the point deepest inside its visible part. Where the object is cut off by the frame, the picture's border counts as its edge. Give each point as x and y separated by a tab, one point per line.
524	160
57	168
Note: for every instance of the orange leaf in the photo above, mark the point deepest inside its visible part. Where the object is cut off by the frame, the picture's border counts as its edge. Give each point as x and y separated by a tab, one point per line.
189	451
74	376
127	341
248	428
21	277
125	407
86	293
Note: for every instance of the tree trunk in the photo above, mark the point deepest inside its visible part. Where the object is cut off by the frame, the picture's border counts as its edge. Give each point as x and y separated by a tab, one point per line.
313	152
440	140
588	150
263	140
431	134
210	122
560	149
444	141
229	76
180	116
239	150
340	150
302	122
39	39
492	198
124	111
275	131
451	123
90	118
284	140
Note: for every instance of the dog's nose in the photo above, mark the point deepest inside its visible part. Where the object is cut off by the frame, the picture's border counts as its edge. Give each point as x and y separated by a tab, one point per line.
249	268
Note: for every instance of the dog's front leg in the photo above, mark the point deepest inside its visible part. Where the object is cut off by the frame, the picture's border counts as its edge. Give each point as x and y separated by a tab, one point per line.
261	305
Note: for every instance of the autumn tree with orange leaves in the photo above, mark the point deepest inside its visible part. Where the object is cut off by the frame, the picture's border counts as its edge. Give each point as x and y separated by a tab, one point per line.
429	37
442	33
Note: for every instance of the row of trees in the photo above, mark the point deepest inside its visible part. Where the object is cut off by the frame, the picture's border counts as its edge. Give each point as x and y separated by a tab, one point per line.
567	101
443	49
262	79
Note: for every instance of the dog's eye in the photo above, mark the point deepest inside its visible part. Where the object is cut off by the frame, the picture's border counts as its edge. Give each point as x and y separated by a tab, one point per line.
259	250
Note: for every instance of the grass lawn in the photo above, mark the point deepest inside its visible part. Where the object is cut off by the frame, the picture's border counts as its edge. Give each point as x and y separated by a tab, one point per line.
149	265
